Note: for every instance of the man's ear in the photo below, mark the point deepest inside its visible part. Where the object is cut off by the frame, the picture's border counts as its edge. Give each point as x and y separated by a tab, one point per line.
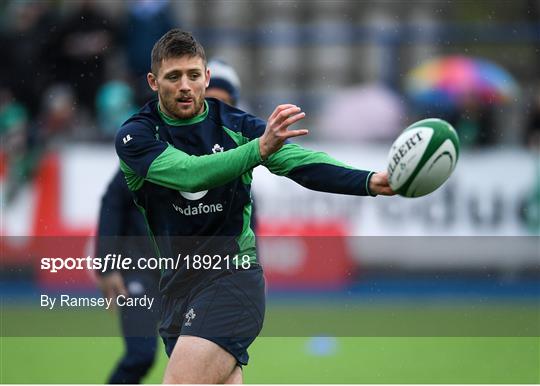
207	77
152	81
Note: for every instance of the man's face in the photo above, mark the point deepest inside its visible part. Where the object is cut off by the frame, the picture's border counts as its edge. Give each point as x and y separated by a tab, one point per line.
180	84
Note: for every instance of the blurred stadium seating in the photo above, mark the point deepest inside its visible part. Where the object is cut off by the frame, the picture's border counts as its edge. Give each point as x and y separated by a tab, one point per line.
475	240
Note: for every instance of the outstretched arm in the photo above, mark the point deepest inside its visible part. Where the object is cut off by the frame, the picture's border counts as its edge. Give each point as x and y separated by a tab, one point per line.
319	171
314	170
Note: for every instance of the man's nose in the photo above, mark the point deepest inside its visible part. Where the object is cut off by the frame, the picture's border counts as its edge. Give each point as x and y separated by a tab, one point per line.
184	84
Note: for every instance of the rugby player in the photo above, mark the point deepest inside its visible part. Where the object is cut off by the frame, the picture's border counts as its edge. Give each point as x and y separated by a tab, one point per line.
188	161
122	230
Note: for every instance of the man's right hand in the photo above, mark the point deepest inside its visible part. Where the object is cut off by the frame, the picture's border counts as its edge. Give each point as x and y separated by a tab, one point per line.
276	132
379	185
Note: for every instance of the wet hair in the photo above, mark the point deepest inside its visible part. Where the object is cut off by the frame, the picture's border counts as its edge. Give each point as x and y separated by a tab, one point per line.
174	44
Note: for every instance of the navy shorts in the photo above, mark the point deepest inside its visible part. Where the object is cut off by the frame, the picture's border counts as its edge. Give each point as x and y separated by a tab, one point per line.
228	310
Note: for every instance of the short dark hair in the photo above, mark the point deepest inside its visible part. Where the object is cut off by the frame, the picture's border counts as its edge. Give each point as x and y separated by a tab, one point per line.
175	43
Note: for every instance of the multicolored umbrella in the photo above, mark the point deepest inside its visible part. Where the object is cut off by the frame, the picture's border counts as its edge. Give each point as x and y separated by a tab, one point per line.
456	80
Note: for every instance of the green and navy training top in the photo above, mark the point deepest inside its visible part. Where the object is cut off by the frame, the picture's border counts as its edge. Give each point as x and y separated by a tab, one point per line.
192	181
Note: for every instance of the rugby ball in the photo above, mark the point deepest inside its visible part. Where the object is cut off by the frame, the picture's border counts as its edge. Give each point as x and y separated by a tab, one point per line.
423	157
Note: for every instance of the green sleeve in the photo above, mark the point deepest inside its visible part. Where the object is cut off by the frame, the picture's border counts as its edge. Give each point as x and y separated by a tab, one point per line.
292	156
177	170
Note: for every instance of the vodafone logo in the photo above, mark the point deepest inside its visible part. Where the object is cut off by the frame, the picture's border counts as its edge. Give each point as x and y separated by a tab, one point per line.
197	209
194	196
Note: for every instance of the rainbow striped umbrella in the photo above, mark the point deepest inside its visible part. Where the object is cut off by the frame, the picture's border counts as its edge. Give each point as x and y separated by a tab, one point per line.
455	80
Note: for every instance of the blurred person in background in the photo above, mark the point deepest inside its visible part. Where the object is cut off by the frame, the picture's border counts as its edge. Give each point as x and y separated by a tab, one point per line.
474	123
146	22
27	139
58	112
122	231
84	41
27	69
224	82
115	103
120	220
174	149
121	225
382	111
14	147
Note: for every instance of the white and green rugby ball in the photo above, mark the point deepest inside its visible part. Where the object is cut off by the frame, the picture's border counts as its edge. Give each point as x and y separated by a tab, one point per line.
423	157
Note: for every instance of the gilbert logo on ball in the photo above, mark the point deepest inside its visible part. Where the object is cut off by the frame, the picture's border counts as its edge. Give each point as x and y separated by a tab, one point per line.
423	157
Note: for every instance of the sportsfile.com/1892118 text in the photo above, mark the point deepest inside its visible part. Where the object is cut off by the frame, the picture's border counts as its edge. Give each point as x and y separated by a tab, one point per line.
114	262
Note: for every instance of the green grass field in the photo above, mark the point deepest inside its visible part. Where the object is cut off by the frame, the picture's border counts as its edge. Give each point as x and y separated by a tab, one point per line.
418	358
288	360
